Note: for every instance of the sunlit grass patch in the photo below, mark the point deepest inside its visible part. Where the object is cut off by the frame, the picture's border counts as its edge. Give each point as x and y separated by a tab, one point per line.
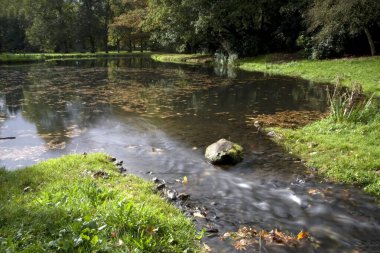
82	204
343	151
364	70
182	58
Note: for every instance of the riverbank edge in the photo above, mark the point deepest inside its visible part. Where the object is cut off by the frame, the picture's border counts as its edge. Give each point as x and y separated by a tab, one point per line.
15	58
340	152
83	203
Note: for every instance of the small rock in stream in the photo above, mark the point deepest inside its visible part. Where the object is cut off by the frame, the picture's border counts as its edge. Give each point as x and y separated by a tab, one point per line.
212	230
183	196
122	169
155	180
172	194
112	159
119	163
160	186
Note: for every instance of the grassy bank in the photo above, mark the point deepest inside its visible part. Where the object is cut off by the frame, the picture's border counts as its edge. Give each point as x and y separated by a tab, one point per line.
182	58
81	203
364	70
345	152
35	57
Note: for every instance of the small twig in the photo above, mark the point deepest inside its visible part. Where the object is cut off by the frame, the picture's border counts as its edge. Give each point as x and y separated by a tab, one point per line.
7	138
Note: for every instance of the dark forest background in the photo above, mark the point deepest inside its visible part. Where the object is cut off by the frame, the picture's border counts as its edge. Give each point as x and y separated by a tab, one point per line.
320	28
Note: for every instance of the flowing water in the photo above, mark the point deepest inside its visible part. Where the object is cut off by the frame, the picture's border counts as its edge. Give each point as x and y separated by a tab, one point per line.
159	118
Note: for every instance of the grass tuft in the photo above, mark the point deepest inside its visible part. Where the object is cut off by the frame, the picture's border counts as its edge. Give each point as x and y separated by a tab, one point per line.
351	105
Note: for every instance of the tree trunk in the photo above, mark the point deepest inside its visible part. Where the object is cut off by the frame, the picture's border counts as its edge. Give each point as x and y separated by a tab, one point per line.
370	41
130	46
92	44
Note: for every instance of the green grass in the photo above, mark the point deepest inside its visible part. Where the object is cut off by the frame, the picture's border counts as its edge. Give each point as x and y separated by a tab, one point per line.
60	206
344	152
35	57
182	58
364	70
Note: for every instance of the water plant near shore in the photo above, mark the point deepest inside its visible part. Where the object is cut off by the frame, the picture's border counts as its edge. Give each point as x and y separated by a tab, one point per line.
81	203
351	105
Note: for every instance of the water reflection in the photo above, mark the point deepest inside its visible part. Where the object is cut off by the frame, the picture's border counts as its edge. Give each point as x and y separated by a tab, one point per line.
159	118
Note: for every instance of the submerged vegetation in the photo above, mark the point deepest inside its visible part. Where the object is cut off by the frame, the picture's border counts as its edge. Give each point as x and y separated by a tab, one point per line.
81	203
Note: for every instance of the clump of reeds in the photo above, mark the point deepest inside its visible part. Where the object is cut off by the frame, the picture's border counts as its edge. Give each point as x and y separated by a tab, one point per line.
351	105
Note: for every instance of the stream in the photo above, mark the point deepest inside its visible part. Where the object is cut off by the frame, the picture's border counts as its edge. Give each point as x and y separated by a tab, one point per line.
159	118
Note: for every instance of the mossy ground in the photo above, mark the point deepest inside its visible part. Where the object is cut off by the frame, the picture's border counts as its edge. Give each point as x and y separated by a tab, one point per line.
80	203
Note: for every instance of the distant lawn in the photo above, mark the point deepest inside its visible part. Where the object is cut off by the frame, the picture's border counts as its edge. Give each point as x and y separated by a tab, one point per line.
81	203
363	70
182	58
33	57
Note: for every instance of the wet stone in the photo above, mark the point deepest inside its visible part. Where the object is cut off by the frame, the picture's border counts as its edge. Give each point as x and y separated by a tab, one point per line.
183	196
122	169
112	159
118	163
172	194
160	186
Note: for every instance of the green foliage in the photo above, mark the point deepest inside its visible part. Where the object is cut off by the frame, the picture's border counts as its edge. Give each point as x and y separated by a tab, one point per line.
331	23
229	26
62	206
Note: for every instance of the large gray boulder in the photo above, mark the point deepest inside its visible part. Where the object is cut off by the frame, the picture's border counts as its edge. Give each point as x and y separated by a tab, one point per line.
224	152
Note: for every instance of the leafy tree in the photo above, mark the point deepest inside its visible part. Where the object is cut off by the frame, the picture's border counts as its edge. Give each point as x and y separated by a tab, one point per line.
332	21
126	28
52	24
12	26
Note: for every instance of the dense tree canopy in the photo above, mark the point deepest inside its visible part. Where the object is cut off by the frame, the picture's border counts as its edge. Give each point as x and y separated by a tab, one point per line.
324	28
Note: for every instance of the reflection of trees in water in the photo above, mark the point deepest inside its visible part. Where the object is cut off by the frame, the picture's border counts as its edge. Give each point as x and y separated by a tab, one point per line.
11	85
58	110
63	98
